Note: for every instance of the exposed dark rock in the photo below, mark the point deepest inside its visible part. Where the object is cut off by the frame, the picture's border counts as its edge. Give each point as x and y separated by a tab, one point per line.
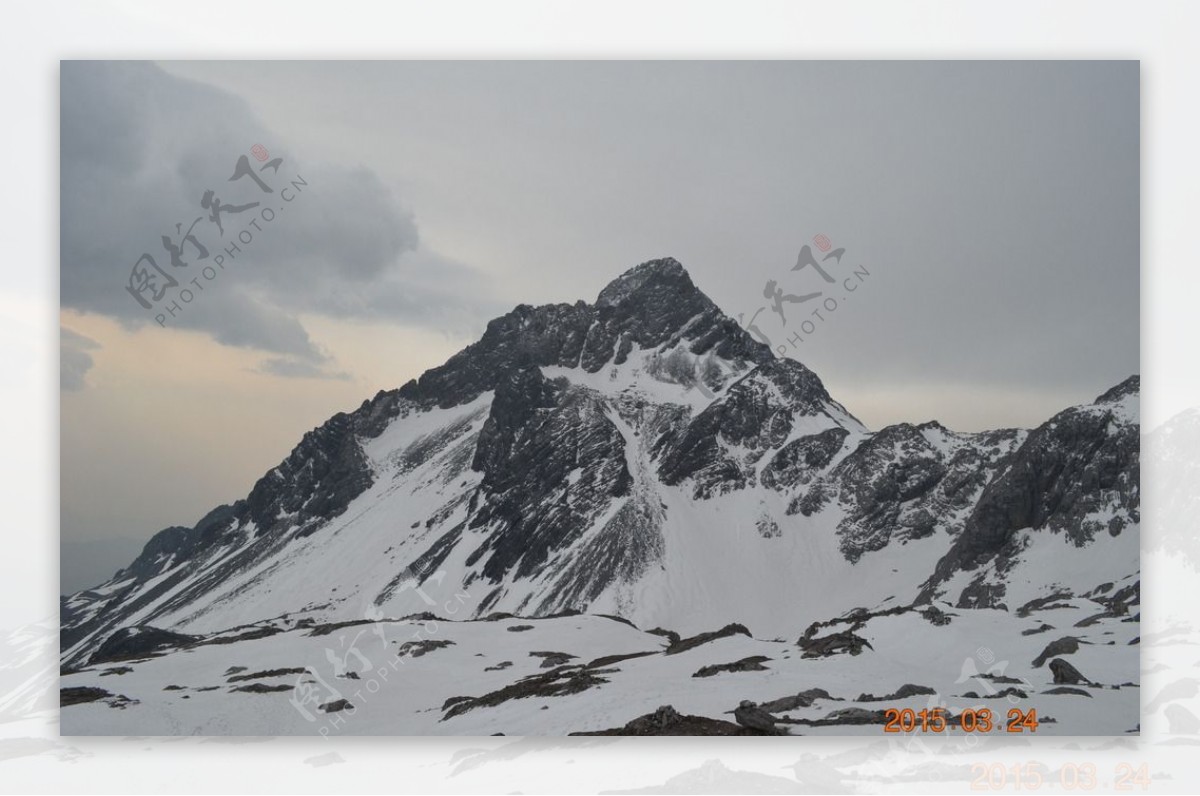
336	706
79	695
683	645
752	664
519	628
248	635
755	718
562	681
1044	603
667	721
552	659
1062	689
1066	645
1000	678
935	615
116	670
1033	631
1078	462
1066	674
502	665
332	627
833	644
609	660
803	699
800	460
756	414
265	673
262	688
903	692
141	641
416	649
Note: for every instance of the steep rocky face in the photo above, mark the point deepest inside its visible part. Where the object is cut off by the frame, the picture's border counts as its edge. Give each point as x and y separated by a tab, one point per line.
802	459
905	482
720	449
1076	475
552	462
656	305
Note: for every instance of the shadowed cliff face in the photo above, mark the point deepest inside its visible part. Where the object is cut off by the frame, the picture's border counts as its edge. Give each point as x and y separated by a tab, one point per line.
1077	475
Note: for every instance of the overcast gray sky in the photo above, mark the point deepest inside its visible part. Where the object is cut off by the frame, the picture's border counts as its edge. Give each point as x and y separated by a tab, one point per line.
995	205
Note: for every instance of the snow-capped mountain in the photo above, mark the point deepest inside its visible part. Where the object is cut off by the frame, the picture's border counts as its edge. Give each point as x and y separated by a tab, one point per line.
645	457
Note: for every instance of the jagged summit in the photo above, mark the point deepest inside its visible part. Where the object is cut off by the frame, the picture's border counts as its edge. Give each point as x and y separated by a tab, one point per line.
1131	386
664	276
653	307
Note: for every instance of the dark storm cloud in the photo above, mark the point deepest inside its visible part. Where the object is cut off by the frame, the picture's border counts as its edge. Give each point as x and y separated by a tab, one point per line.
139	149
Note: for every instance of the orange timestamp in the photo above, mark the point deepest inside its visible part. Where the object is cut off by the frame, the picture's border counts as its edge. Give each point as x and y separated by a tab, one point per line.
969	720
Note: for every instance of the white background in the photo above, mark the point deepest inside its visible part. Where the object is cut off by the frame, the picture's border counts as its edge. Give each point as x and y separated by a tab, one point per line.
35	35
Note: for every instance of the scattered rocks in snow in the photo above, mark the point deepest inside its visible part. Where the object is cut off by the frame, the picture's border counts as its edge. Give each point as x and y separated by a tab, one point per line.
1001	678
498	667
518	628
552	659
1033	631
936	616
248	635
1002	694
682	645
1066	674
609	660
833	644
752	664
752	716
1062	689
903	692
1063	646
261	688
415	649
556	682
803	699
1047	603
265	673
335	706
331	627
116	670
667	721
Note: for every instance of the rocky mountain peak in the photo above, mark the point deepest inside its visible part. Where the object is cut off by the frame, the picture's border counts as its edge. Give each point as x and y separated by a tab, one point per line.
1131	386
662	277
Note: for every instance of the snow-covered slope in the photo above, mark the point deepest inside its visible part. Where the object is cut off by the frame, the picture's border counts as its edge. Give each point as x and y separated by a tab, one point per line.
644	457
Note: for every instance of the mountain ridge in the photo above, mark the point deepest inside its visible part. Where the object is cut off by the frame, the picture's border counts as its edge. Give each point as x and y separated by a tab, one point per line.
642	455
